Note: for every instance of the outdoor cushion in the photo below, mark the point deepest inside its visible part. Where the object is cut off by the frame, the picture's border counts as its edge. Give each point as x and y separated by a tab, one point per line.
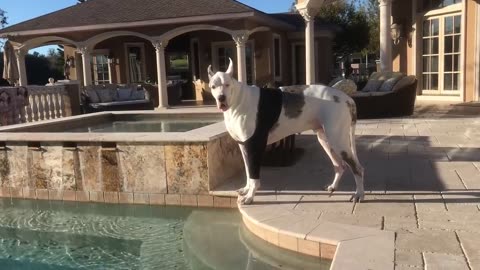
376	94
346	85
124	94
405	81
104	95
92	95
388	85
335	81
372	85
361	94
138	95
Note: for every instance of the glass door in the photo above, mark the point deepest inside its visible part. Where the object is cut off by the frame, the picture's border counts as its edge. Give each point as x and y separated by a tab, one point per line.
441	73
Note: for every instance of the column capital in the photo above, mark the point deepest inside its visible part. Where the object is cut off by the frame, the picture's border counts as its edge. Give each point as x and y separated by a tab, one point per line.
84	50
19	52
384	2
308	14
160	44
240	37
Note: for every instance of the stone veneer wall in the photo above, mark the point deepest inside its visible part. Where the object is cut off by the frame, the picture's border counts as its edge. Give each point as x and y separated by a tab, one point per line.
57	168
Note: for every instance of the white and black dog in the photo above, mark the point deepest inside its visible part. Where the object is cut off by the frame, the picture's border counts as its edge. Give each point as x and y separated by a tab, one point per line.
256	117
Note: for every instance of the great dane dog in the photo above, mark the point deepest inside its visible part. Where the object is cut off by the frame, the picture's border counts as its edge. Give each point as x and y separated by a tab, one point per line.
256	117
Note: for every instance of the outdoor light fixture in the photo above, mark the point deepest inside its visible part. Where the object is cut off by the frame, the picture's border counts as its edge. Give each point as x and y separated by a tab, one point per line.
400	31
110	59
70	61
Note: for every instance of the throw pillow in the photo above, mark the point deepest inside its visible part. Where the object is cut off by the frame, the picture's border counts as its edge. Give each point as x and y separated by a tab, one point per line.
124	94
347	86
93	96
138	95
372	85
104	95
404	82
388	85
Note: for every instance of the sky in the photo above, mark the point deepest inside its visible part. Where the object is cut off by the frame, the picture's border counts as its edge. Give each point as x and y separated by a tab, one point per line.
22	10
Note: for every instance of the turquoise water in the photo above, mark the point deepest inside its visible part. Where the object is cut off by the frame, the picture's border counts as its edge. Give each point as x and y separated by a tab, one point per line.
45	235
164	125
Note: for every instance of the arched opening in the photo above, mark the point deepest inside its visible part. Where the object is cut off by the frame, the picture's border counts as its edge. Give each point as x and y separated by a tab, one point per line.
45	58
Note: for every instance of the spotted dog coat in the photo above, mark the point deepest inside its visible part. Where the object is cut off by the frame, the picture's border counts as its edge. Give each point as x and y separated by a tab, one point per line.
256	117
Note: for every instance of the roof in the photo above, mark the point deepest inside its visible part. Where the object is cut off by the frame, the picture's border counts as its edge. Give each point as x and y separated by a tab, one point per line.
296	20
94	12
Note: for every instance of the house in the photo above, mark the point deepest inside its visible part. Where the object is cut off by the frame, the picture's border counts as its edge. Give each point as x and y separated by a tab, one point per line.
436	40
134	41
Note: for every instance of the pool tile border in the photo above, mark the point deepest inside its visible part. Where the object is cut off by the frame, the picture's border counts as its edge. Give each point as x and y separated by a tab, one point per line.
109	197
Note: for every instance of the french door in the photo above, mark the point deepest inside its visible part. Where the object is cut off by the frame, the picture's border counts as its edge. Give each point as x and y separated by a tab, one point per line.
441	54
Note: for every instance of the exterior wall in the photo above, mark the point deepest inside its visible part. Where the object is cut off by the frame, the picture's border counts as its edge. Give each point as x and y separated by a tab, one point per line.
402	14
407	59
471	32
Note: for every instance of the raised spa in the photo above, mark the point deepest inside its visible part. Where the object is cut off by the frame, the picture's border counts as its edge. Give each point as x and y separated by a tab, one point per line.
143	152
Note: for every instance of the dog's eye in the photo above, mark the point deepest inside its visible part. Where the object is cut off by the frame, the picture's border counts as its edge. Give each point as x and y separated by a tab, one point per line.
227	85
213	87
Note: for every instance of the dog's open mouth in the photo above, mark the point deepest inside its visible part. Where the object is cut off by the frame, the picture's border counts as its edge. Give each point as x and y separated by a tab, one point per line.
222	106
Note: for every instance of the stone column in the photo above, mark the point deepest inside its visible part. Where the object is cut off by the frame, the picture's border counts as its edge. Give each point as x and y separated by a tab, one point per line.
161	73
22	71
385	35
240	40
309	15
87	66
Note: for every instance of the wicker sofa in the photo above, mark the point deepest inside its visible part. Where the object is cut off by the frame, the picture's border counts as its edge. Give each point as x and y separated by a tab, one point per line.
386	94
112	97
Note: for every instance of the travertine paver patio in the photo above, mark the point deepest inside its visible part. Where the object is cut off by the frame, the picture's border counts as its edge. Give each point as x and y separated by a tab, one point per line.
422	181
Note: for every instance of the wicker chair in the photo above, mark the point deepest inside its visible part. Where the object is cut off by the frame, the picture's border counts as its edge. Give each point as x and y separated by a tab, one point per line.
400	101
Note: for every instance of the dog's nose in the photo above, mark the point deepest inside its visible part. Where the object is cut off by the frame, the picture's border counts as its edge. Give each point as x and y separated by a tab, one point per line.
222	98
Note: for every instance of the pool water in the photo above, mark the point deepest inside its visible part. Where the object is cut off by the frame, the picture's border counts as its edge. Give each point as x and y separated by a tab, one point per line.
160	125
45	235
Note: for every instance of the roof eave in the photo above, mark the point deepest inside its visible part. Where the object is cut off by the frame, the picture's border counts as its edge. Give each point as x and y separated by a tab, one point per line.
204	18
271	21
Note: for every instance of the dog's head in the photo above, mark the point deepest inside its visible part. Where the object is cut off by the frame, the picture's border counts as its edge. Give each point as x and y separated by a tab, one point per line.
221	86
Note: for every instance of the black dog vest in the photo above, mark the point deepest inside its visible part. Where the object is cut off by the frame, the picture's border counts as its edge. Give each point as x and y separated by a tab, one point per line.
269	109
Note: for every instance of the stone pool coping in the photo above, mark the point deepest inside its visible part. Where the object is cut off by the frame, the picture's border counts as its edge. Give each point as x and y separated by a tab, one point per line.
203	134
350	247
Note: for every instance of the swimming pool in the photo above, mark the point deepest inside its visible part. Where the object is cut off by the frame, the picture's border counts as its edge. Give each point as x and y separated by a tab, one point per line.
54	235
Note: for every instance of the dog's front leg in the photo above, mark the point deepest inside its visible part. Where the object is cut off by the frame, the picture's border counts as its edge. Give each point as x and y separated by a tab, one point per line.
252	150
243	191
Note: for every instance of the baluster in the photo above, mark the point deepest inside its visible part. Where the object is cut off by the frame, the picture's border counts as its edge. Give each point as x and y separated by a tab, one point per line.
52	103
41	107
63	112
29	107
36	114
56	98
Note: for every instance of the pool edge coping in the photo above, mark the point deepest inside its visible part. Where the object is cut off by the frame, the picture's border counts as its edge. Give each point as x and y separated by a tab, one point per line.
368	248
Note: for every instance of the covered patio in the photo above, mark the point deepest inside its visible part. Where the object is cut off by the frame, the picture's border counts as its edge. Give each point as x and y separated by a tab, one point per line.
160	44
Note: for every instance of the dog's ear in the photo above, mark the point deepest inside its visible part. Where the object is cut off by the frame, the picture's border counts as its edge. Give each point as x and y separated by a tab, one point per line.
210	72
230	68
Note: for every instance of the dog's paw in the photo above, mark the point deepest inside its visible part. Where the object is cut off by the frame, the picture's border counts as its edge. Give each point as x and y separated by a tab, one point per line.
242	191
245	200
330	189
357	197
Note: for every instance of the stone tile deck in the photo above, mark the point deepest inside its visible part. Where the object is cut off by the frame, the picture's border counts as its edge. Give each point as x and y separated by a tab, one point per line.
423	186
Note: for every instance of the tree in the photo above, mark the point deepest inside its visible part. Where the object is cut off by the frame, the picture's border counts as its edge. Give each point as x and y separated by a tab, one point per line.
354	26
3	18
372	11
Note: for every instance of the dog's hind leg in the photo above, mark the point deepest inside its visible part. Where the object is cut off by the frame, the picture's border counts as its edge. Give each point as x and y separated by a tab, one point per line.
337	161
357	169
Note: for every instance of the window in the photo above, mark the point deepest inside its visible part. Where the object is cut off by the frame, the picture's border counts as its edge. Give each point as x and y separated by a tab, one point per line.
277	58
101	69
441	70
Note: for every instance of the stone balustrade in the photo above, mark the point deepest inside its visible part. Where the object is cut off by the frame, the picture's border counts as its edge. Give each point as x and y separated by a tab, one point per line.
36	103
